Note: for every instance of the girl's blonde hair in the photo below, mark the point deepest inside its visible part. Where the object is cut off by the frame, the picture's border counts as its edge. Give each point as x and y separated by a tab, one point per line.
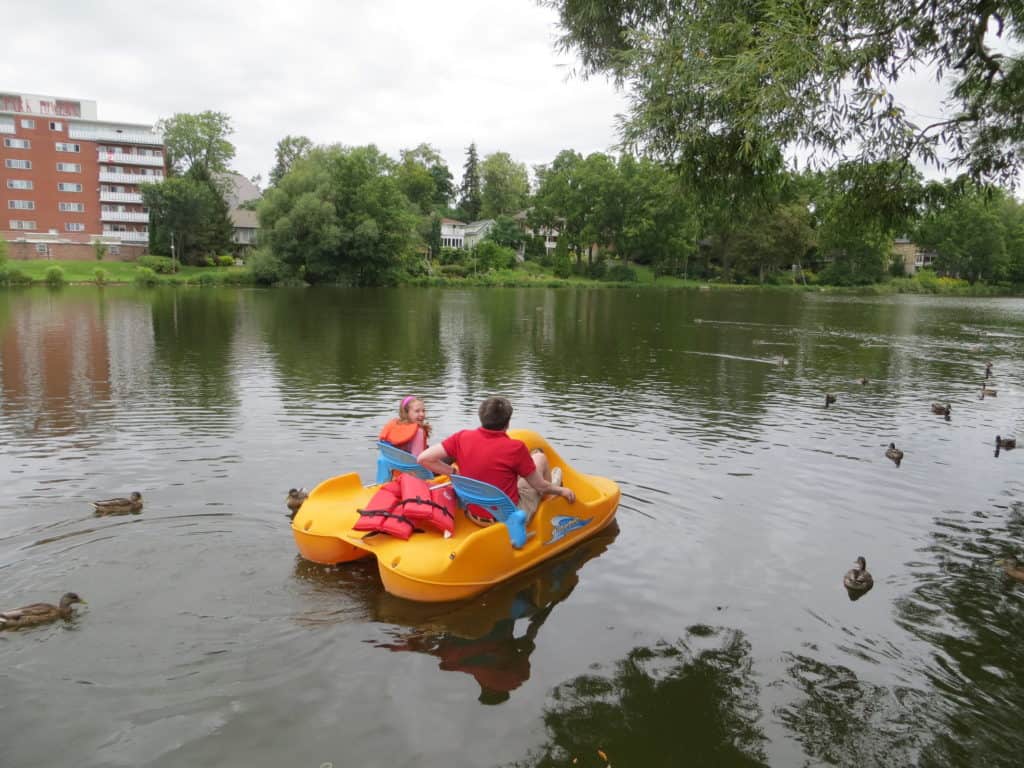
403	412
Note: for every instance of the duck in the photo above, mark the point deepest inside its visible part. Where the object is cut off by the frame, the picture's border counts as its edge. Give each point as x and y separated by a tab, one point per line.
294	500
1006	442
39	613
119	505
857	579
988	370
988	392
894	453
1012	567
863	379
829	399
941	410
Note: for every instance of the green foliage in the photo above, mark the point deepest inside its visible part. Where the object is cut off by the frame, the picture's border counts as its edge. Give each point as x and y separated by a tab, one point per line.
452	255
470	199
505	186
288	150
490	255
54	277
3	251
198	141
224	260
193	210
162	265
621	273
506	231
13	276
562	265
718	88
146	277
264	267
99	249
455	270
100	275
424	178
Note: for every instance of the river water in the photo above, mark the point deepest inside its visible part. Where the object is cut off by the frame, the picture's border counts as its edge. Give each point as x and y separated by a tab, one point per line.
709	627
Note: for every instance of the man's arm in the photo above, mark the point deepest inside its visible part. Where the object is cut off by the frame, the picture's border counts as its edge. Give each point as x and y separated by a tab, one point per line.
542	486
433	459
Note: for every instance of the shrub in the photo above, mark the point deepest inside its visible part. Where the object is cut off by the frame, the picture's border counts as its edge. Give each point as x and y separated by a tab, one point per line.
100	249
454	270
490	255
100	275
161	265
621	273
563	265
13	276
597	269
264	267
452	256
205	278
54	276
146	276
225	260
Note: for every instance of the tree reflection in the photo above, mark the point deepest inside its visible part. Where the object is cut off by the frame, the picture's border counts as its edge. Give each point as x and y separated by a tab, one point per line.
693	702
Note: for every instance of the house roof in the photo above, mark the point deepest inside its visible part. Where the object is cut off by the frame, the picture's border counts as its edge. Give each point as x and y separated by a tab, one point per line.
479	226
239	189
453	221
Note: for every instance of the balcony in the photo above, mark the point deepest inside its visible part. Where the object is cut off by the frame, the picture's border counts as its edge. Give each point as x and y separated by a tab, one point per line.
136	216
91	133
129	178
128	237
130	158
120	197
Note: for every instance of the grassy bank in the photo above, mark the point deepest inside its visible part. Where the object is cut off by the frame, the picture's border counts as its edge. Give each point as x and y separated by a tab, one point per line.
113	272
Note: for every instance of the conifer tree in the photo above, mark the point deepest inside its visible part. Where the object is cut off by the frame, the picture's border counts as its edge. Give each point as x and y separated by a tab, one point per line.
470	199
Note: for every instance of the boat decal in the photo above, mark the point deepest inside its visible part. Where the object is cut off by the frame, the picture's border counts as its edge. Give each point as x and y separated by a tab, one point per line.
564	524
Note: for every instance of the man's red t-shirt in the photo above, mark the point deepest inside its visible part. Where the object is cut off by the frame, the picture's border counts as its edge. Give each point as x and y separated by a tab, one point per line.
492	456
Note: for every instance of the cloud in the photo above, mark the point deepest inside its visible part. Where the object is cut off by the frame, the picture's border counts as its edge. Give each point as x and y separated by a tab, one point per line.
396	73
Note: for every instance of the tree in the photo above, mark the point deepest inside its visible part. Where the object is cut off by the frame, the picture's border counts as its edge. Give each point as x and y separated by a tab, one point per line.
505	185
506	232
469	192
721	87
425	179
192	210
288	150
198	140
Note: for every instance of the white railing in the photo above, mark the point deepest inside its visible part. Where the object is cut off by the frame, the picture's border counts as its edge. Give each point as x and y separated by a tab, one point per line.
121	137
120	197
136	216
130	158
128	237
129	178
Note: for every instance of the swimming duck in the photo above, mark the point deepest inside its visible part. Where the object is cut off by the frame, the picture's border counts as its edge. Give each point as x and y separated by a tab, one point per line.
941	410
857	579
863	380
829	399
120	505
1012	567
1006	442
39	613
988	370
894	453
988	392
294	500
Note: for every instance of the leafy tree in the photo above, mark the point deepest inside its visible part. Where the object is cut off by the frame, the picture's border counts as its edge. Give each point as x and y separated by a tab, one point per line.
558	203
719	87
470	200
198	140
434	236
340	215
505	185
506	231
190	209
288	150
424	177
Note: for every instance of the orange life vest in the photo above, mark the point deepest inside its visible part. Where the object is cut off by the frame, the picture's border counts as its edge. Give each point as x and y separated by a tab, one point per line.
398	433
407	503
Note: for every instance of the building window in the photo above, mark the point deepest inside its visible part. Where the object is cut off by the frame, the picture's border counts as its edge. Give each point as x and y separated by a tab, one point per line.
114	250
69	167
42	248
31	124
56	125
21	205
24	165
19	224
19	184
68	186
63	146
71	207
17	143
74	227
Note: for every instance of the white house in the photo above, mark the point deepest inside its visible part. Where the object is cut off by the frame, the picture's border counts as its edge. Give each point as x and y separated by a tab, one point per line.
550	234
477	231
453	233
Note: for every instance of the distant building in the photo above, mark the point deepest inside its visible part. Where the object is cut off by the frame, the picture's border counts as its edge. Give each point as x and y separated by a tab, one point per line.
477	231
69	180
245	221
912	256
550	234
453	233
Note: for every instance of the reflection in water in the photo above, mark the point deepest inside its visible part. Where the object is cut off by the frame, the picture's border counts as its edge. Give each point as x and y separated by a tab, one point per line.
692	702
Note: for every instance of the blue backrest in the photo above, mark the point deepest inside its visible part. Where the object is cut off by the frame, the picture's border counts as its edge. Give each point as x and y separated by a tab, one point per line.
495	501
390	458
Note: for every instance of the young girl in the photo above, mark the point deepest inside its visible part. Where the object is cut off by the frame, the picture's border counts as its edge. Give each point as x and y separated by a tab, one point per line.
410	430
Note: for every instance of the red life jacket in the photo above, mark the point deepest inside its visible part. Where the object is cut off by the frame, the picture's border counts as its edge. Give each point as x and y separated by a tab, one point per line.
407	503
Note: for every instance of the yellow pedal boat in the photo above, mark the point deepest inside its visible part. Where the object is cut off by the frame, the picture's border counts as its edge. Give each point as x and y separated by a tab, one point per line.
431	568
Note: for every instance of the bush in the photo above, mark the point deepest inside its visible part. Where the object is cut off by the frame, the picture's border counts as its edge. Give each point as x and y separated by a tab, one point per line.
452	256
490	255
54	276
597	269
100	275
225	260
161	265
454	270
563	265
146	276
264	267
100	249
13	276
621	273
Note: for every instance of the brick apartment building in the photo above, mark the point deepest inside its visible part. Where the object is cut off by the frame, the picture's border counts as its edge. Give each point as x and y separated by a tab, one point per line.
69	180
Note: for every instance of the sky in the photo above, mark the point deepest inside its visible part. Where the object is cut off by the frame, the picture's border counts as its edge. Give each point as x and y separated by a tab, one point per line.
395	73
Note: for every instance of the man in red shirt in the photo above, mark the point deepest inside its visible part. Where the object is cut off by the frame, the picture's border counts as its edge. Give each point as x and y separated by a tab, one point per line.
490	455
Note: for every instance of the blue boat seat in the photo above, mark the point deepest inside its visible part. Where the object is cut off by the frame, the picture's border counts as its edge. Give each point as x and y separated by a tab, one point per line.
390	458
495	501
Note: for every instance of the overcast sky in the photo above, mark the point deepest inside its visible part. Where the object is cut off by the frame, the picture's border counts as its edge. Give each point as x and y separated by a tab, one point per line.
395	73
